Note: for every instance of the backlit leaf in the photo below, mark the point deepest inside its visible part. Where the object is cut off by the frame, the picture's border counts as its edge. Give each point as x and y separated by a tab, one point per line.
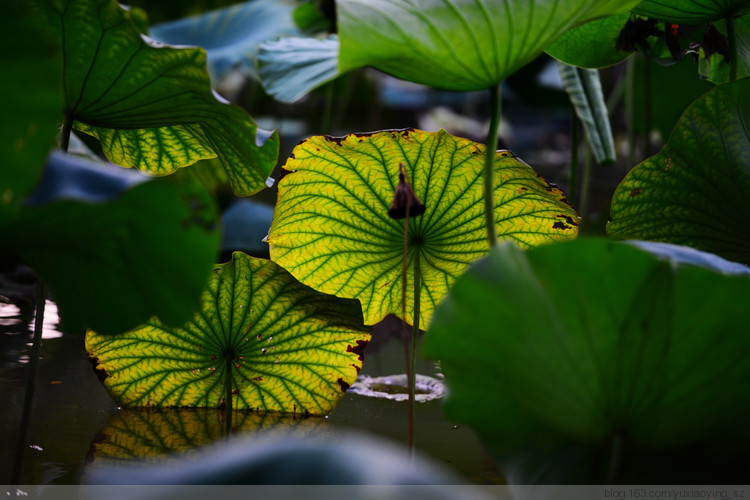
149	104
457	44
331	228
283	347
694	191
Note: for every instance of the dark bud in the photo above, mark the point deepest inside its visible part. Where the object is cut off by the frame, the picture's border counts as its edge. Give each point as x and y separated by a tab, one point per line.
635	34
404	198
715	43
672	39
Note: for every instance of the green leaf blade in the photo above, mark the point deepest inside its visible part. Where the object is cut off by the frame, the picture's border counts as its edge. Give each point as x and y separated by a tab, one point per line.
693	191
592	339
331	229
456	45
285	347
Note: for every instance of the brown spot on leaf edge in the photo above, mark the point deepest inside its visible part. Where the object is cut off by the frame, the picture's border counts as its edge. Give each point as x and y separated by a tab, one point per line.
342	384
359	350
101	373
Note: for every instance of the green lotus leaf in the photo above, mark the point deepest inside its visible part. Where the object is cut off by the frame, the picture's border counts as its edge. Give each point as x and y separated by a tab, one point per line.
594	341
591	45
171	435
457	45
282	346
693	192
332	231
149	104
31	101
691	11
113	247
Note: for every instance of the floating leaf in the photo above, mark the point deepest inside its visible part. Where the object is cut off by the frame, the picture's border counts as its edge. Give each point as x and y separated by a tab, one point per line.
150	105
591	45
282	346
31	102
114	247
332	231
694	191
691	11
171	435
291	67
462	45
591	342
232	35
585	91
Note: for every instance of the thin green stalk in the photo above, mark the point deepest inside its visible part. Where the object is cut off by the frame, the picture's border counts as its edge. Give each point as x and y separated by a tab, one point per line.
414	345
67	129
404	332
733	52
575	141
28	399
489	164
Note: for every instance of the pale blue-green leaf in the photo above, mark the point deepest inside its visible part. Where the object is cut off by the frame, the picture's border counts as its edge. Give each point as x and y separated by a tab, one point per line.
232	35
585	91
290	68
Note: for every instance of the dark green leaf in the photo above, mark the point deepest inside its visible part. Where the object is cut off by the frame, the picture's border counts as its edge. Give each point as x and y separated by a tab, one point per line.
114	251
592	341
690	11
150	105
282	346
591	45
694	191
31	101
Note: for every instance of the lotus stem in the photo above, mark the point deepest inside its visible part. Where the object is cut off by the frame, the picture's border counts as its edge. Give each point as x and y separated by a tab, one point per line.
228	397
28	399
67	129
413	359
404	332
489	164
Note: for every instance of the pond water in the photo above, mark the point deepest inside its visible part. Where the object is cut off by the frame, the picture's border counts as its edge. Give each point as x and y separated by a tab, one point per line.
74	421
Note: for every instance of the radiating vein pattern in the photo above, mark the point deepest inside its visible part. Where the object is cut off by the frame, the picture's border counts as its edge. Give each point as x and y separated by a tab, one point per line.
285	347
331	228
151	105
694	192
457	44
